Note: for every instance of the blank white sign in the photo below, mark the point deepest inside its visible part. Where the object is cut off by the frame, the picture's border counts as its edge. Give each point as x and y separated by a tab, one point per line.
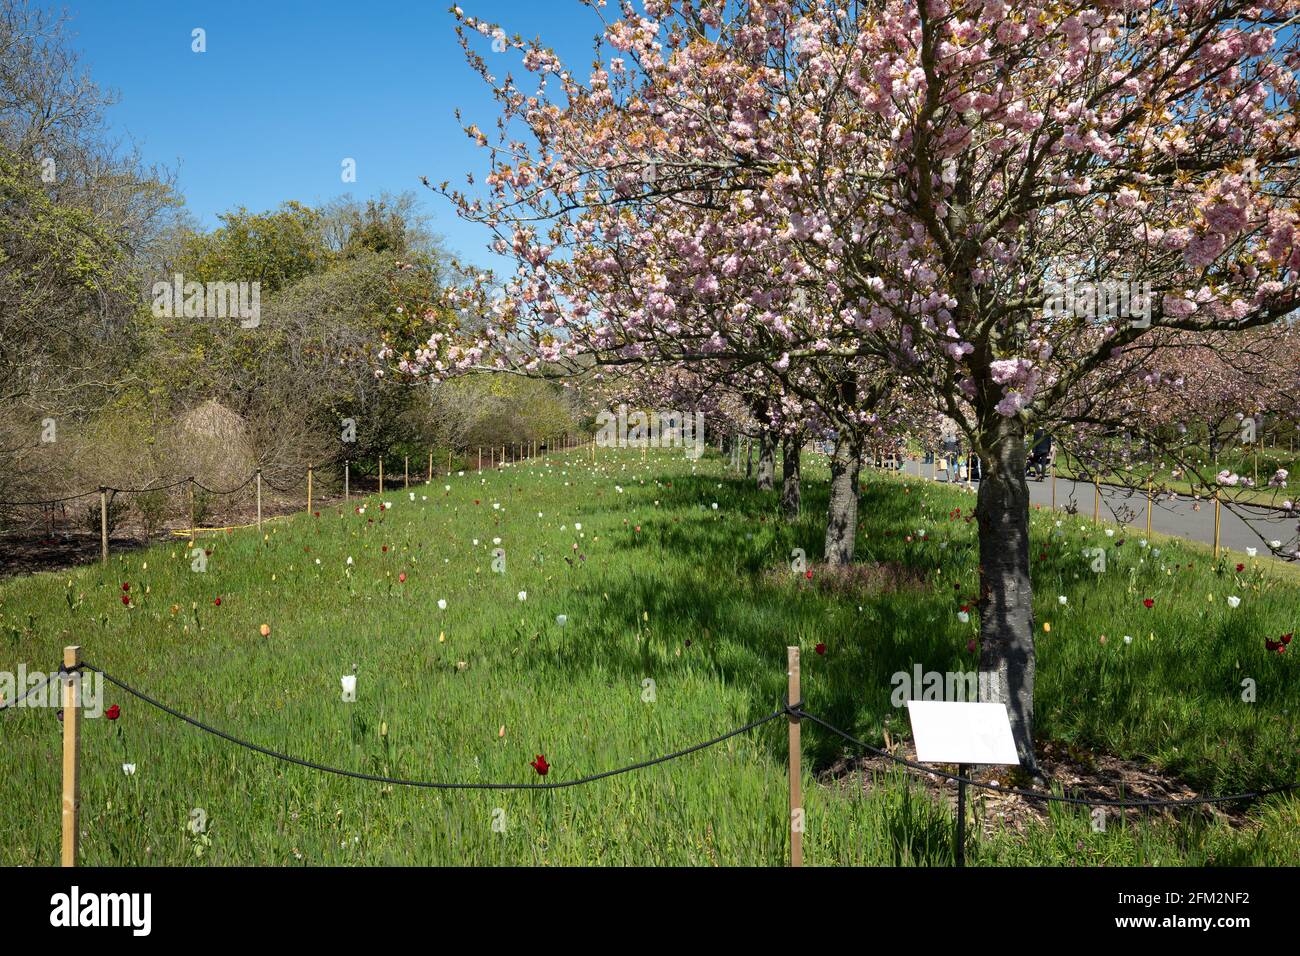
955	732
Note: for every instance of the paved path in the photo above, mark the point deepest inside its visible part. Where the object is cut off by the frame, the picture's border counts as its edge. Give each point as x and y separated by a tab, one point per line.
1178	517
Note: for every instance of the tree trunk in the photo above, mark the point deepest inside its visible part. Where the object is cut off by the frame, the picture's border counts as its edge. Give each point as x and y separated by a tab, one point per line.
791	494
749	458
1006	609
766	460
842	514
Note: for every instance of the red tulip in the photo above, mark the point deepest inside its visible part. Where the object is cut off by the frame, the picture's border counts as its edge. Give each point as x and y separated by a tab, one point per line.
113	712
1240	568
970	645
808	574
540	765
402	577
217	602
126	585
1149	602
126	600
820	649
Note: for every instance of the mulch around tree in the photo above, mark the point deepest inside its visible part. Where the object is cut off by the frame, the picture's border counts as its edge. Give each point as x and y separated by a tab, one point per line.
1079	773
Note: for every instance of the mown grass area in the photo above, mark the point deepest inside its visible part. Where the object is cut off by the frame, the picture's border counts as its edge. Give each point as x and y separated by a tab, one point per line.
655	585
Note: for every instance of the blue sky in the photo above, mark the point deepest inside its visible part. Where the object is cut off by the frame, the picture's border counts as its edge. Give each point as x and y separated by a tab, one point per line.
288	88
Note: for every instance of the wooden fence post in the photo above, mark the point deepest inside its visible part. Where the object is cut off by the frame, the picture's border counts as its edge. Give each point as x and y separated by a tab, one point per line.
1217	505
259	499
796	794
192	510
103	524
480	457
71	755
381	474
1150	483
406	472
347	480
309	489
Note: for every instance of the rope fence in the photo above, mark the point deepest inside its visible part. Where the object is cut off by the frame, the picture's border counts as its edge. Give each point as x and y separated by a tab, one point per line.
794	713
509	454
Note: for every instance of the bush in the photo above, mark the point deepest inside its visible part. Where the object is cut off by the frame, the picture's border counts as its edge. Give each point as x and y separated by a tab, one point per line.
151	506
116	512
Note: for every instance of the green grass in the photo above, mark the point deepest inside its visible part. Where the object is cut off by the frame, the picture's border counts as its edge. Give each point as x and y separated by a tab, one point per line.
689	603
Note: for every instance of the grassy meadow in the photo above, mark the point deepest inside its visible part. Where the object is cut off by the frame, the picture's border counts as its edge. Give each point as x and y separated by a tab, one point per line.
645	605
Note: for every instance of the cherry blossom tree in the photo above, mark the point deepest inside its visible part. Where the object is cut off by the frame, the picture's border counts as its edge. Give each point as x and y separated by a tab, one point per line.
1013	207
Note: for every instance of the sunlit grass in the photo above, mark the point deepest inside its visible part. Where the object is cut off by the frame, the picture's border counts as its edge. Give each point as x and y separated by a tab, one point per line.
689	602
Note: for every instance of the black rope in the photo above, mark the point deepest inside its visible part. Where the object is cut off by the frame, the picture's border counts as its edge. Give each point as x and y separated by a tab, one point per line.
212	491
49	501
794	712
426	783
1049	797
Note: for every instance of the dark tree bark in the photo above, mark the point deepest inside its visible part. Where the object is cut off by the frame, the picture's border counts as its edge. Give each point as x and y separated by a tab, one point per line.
766	460
749	458
1006	596
842	513
791	491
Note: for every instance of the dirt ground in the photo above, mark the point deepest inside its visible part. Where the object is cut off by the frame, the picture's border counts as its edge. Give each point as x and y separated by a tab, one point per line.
1079	773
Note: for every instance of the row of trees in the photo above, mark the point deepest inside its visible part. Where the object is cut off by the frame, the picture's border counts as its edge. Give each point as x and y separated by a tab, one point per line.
103	382
860	215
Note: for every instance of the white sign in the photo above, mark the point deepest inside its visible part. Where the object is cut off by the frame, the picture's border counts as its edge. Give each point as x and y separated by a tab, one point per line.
954	732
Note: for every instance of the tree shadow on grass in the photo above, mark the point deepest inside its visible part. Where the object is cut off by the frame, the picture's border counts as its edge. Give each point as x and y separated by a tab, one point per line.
718	608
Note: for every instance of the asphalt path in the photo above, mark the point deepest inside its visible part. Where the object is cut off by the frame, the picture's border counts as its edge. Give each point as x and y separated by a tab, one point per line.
1178	515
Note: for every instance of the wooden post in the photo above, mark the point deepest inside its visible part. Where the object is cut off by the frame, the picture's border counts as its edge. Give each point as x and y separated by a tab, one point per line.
1149	486
381	474
71	755
406	471
480	457
796	794
259	499
103	524
431	464
191	510
1096	502
347	480
309	489
1217	506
